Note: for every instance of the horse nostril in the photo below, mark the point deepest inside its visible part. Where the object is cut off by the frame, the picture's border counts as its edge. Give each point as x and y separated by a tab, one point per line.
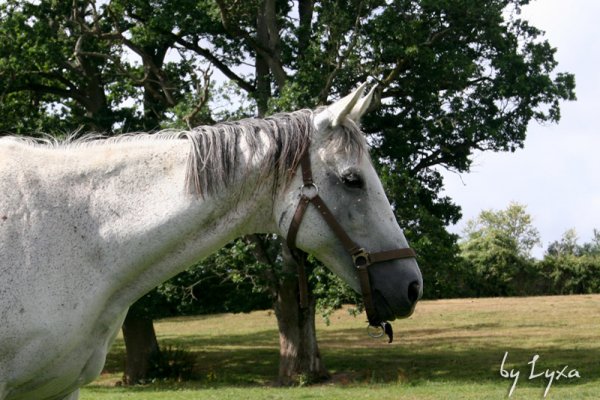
414	290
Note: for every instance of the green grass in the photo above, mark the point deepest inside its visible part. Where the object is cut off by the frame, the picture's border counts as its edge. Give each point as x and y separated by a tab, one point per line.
449	349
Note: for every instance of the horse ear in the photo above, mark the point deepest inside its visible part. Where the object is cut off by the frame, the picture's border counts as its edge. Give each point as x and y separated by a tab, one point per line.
361	106
335	113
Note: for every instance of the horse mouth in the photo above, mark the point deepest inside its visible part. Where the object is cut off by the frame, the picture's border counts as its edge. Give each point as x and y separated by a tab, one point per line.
386	312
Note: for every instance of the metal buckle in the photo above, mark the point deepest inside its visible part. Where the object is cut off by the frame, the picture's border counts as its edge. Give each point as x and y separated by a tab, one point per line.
309	190
361	258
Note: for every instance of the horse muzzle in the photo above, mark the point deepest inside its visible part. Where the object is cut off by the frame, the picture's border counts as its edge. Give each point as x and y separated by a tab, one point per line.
396	287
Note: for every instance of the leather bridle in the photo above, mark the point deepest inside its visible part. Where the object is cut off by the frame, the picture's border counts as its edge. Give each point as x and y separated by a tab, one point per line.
309	193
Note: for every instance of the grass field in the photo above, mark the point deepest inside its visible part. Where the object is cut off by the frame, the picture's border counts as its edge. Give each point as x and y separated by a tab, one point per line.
449	349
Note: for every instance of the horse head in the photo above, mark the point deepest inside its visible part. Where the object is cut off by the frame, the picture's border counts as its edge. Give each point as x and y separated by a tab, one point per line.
335	208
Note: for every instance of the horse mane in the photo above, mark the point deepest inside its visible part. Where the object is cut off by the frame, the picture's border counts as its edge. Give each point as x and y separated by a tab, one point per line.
214	157
213	160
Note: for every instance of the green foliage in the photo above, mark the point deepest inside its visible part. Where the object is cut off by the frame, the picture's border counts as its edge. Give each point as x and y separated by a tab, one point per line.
510	229
174	364
496	251
43	67
331	293
571	268
496	260
230	280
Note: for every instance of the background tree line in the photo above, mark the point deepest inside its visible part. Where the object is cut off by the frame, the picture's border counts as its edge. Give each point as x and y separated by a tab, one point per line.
496	258
454	77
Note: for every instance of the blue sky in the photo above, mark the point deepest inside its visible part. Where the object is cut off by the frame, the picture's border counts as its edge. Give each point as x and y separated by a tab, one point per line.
556	175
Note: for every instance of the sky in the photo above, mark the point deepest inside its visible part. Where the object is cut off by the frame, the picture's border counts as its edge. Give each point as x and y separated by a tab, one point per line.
556	174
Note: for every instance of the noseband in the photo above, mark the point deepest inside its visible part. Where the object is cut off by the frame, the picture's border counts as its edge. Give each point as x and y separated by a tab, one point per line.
309	193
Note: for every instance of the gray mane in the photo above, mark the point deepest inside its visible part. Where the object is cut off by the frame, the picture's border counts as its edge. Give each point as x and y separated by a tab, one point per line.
214	161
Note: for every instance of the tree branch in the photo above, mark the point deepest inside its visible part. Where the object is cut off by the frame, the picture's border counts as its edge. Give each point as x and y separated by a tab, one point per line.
263	49
147	60
445	155
38	87
52	76
322	99
305	12
260	253
214	61
402	62
269	18
204	96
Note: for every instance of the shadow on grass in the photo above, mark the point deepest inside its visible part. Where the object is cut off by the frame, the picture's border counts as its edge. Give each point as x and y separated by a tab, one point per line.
228	359
252	359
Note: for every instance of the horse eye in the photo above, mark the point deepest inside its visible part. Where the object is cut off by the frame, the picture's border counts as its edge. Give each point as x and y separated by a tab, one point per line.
353	180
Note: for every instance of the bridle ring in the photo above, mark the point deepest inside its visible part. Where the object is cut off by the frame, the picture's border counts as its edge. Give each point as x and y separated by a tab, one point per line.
375	331
309	190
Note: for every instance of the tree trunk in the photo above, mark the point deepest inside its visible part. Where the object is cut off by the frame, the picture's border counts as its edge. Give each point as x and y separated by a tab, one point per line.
305	12
262	70
141	347
300	359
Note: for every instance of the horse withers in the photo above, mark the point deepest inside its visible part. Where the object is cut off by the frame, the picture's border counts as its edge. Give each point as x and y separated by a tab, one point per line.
88	227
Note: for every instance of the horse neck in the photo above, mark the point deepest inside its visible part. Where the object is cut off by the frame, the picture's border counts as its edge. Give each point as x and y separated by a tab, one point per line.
187	226
156	175
132	213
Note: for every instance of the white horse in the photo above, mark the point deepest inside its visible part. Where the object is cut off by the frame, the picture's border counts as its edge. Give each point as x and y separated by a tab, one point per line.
86	228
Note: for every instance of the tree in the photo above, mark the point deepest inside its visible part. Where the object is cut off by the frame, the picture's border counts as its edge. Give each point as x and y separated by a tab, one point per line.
571	268
454	77
54	82
497	248
567	245
513	224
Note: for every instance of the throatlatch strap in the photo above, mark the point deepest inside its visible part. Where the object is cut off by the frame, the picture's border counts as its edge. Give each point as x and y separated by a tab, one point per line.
297	254
365	287
296	220
300	258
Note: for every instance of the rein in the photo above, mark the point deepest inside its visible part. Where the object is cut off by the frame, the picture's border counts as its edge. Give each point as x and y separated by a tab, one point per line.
362	259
